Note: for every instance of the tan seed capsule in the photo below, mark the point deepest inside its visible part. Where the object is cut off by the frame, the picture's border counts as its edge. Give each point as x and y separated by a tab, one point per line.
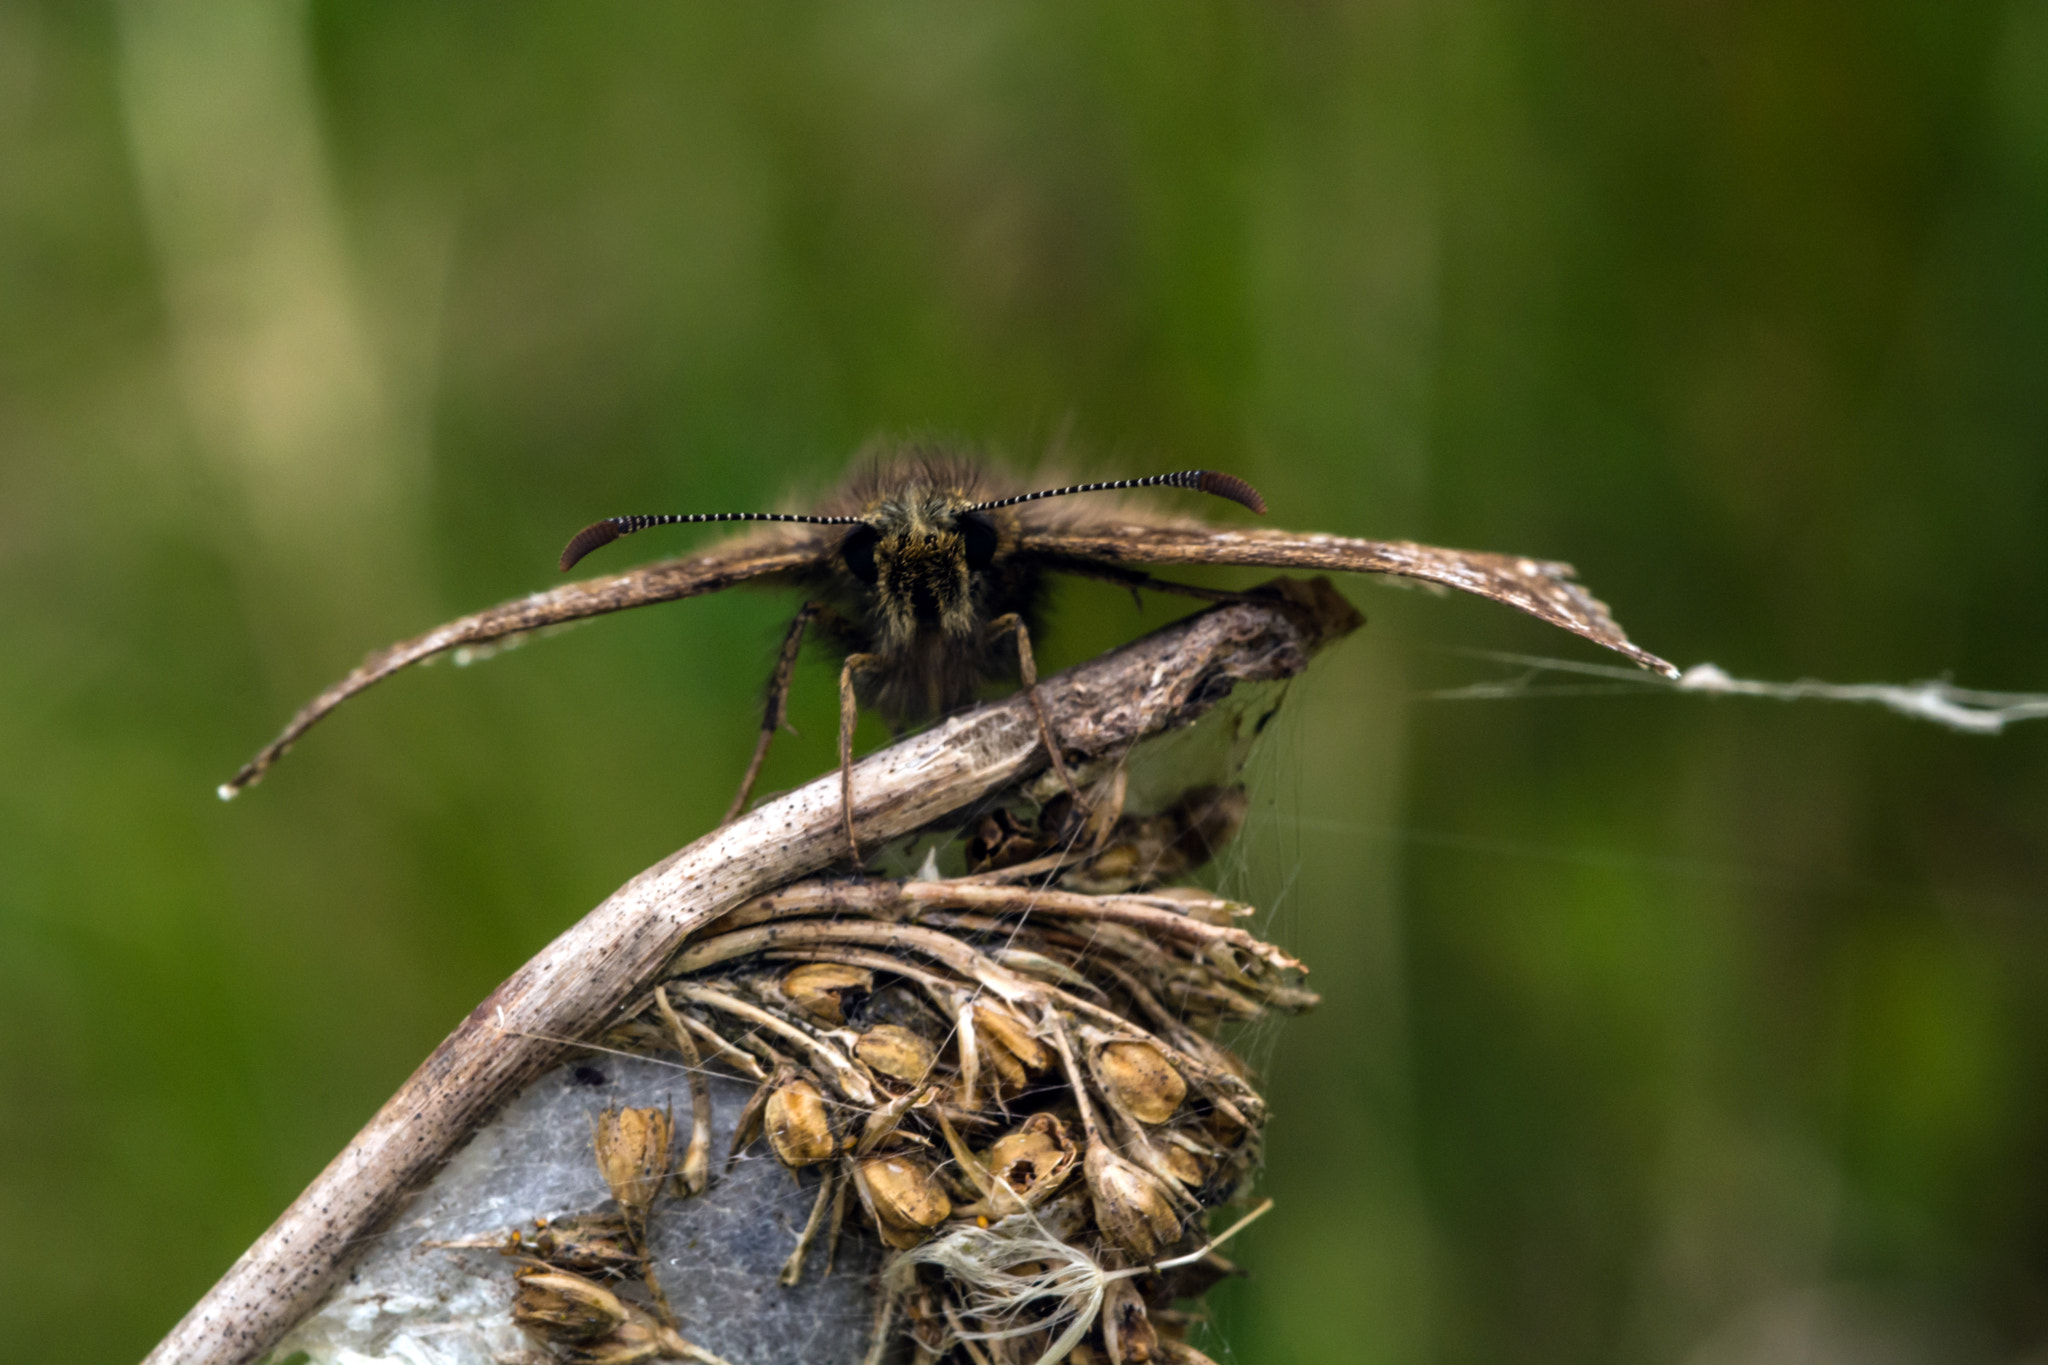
638	1340
1225	1130
823	989
1189	1168
593	1243
1001	1070
633	1156
908	1199
1130	1207
630	1345
1033	1158
1140	1080
896	1052
1114	869
1126	1328
1001	840
560	1307
798	1128
1013	1035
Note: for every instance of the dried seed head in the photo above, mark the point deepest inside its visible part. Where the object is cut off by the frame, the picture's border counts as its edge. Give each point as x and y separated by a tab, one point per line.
798	1127
1032	1159
633	1156
823	990
908	1200
1014	1036
896	1052
559	1307
1131	1208
1139	1080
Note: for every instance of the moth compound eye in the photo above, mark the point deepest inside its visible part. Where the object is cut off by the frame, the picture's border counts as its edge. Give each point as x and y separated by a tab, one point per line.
858	550
978	534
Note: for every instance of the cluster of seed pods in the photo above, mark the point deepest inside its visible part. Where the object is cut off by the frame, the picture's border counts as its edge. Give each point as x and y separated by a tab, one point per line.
1036	1044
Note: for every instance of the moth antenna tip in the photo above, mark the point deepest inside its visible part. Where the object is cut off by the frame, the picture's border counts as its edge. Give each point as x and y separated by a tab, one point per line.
588	539
227	791
1234	488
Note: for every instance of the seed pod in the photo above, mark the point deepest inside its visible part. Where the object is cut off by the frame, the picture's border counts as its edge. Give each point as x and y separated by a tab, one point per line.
633	1344
633	1156
559	1307
593	1243
1223	1129
1001	840
1004	1073
1126	1328
1032	1159
821	989
1013	1035
798	1127
896	1052
1139	1080
1130	1207
908	1200
639	1339
1190	1168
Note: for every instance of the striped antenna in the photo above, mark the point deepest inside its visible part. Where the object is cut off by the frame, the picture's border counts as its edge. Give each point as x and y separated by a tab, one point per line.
611	528
1201	480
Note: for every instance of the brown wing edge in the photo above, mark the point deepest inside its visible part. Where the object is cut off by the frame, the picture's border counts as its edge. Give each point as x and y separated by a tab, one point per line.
1544	589
666	581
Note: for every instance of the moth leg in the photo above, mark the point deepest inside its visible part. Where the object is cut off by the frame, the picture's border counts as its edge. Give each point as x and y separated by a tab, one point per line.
849	715
1027	668
776	715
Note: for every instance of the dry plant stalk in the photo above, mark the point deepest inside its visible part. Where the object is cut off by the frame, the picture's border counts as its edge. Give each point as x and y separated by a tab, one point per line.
578	983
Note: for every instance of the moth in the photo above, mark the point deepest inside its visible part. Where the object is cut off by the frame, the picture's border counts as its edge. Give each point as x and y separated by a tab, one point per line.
926	572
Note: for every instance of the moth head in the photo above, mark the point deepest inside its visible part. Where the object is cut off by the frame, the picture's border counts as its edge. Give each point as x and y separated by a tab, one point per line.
918	548
918	551
978	542
922	534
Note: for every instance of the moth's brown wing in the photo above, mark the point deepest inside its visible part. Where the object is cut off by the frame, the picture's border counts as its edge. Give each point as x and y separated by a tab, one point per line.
1543	588
738	562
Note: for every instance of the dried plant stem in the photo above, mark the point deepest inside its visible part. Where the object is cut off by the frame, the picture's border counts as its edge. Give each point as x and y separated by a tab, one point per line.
880	900
831	1062
695	1172
575	984
793	1268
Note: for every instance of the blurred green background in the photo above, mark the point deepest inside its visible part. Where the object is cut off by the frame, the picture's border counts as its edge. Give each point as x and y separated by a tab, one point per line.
1655	1029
